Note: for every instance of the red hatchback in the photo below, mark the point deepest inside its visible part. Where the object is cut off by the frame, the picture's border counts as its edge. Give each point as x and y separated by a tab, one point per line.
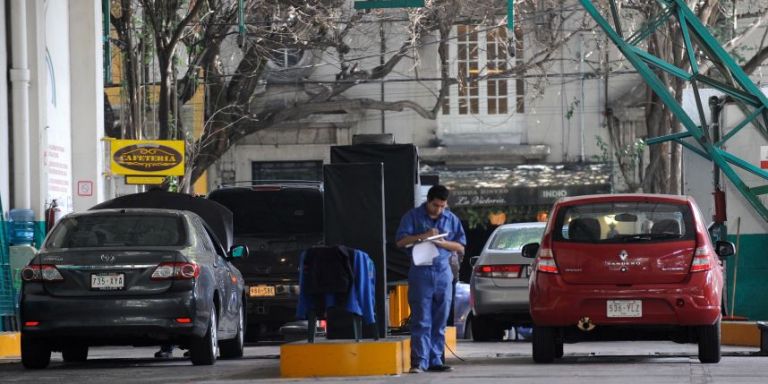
626	267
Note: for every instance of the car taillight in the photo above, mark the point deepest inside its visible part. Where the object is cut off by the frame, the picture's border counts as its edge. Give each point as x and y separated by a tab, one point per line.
175	271
701	260
702	256
502	271
545	262
41	272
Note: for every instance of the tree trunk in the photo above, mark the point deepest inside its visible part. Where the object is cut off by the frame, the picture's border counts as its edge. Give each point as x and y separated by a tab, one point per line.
164	119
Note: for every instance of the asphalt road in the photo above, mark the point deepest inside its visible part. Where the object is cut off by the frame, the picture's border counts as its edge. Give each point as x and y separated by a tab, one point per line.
507	362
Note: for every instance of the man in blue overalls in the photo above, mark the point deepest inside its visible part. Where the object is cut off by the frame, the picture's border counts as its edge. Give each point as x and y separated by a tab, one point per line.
429	284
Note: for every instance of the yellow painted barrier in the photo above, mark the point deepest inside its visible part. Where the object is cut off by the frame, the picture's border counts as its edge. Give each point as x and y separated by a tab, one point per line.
342	358
742	333
10	344
398	305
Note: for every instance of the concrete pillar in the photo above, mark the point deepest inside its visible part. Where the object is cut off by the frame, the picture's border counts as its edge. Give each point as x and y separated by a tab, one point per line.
5	138
87	99
20	78
38	175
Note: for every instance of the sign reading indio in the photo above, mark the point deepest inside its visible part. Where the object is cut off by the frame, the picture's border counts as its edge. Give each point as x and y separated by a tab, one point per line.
147	157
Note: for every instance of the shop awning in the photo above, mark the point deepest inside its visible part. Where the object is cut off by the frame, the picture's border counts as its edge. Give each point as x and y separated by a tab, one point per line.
529	184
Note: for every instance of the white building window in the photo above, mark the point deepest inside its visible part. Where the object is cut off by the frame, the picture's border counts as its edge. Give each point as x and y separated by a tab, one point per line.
480	59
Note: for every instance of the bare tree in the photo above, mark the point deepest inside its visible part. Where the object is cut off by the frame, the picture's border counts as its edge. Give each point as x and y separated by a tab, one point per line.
195	33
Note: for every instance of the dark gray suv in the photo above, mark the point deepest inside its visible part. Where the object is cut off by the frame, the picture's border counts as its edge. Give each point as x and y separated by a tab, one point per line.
277	220
132	277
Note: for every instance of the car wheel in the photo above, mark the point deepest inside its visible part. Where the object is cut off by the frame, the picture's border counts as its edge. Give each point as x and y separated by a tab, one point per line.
468	329
204	350
709	343
543	344
485	329
558	349
35	353
75	353
231	349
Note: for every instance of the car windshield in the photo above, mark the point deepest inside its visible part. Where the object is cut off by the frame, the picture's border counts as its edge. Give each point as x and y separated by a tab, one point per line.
118	230
516	237
624	222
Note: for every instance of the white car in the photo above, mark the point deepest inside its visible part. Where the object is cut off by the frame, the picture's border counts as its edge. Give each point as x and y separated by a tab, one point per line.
499	282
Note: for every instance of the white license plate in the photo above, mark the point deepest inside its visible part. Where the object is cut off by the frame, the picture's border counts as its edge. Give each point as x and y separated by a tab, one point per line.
262	291
108	281
624	308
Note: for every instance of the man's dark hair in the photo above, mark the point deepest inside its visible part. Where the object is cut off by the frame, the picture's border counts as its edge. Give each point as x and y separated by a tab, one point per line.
437	192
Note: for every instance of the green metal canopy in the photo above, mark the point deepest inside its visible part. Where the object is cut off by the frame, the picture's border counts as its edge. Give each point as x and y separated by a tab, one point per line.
723	74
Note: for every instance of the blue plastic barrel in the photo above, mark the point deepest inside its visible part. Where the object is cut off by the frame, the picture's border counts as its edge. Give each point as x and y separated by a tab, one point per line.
21	226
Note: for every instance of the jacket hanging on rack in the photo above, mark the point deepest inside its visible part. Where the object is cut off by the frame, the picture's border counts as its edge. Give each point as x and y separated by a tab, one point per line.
336	276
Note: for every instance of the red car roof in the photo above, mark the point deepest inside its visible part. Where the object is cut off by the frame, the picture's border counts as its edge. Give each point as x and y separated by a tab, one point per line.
585	199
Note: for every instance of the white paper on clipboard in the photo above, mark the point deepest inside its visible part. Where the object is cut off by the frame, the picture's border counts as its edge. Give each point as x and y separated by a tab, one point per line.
428	239
424	252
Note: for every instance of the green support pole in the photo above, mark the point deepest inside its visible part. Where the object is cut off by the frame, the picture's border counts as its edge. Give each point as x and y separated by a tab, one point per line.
752	101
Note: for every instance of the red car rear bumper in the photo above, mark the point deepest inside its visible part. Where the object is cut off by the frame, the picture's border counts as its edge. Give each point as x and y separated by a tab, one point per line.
694	302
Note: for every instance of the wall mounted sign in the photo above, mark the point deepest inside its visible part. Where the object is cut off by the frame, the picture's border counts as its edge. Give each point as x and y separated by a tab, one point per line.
147	157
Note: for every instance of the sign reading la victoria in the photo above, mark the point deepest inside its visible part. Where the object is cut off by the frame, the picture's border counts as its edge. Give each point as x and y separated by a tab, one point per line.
147	157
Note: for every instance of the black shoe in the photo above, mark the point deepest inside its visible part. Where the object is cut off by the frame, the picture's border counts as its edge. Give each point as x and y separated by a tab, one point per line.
163	355
440	368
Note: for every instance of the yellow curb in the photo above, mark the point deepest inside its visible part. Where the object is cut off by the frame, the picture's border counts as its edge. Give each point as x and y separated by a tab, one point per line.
10	344
741	333
342	358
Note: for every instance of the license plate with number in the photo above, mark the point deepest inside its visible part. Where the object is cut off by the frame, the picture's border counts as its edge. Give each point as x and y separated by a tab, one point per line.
624	308
262	290
108	281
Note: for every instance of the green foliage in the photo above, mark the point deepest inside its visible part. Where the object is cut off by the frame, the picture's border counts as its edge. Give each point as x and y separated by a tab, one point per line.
629	154
571	108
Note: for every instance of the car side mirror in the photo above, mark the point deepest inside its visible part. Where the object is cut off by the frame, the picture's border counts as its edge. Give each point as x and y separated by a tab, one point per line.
473	260
530	250
724	248
238	251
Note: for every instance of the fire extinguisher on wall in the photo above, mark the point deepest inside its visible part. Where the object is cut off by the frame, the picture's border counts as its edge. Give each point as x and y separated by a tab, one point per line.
52	214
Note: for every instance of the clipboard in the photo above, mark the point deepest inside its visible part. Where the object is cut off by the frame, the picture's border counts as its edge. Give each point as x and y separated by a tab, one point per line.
435	237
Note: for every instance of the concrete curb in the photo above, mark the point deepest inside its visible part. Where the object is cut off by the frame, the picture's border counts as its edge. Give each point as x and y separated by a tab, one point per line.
10	345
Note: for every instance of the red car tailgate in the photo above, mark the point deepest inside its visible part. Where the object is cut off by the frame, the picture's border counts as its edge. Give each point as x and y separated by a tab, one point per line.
650	262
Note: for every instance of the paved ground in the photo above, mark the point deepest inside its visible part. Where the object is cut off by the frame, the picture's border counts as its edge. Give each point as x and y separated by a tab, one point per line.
508	362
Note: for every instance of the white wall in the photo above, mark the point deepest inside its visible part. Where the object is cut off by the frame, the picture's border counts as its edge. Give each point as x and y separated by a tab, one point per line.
87	97
57	153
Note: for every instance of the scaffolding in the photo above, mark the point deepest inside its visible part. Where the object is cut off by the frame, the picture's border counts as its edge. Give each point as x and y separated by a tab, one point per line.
7	292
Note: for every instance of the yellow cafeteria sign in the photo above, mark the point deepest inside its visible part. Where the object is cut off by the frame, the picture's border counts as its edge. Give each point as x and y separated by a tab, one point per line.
147	157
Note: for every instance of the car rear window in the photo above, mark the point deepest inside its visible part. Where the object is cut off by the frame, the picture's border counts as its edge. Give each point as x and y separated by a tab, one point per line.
119	230
515	238
280	211
621	222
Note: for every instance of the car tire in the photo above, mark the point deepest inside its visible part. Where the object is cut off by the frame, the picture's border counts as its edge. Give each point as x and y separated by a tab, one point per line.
544	344
485	329
35	353
233	349
204	350
559	349
709	343
468	329
77	353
